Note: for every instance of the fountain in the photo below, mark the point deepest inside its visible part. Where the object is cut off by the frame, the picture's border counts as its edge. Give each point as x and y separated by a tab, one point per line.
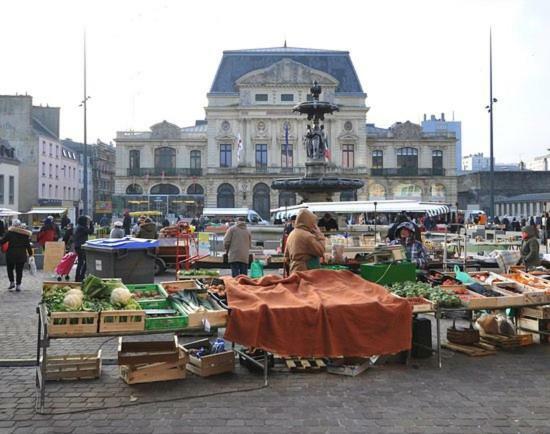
317	185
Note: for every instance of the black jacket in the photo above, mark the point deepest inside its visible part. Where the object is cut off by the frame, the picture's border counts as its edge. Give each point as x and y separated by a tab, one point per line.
81	232
19	240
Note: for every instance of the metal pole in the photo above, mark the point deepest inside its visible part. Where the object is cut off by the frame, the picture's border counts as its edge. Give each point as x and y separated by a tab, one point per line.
492	157
84	102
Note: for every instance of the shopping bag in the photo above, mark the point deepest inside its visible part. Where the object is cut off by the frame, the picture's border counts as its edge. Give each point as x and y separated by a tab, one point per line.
5	247
32	265
462	276
66	264
256	269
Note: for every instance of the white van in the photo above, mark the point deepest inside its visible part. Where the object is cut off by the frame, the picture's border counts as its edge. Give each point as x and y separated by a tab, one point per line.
231	214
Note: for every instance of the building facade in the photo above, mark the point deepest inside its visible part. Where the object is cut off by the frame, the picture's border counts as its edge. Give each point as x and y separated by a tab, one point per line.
251	137
539	163
9	177
77	149
441	127
103	178
46	169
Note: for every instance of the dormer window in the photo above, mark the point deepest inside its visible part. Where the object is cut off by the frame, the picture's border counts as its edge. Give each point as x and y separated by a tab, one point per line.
261	97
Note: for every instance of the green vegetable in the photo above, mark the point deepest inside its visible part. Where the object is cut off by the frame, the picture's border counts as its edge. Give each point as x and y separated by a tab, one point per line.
437	294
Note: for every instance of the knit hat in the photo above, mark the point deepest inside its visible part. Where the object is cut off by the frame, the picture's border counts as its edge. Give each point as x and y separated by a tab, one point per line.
16	223
118	224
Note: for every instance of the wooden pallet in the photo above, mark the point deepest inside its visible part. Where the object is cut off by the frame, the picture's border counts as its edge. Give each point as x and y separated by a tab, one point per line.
74	367
503	342
477	350
299	364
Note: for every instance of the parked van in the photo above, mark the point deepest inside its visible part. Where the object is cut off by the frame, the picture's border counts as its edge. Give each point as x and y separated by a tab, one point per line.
221	215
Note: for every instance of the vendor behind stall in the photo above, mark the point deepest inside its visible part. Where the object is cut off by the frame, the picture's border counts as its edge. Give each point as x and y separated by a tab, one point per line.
529	247
414	249
328	223
305	244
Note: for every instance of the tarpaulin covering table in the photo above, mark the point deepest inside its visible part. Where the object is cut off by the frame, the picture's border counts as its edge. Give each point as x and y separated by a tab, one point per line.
317	313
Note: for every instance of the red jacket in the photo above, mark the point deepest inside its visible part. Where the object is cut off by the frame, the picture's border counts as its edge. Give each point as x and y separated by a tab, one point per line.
46	235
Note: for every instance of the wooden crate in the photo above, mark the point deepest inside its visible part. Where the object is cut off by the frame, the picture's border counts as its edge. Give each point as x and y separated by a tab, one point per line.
534	325
179	284
72	323
121	321
539	312
216	318
74	367
152	372
348	366
147	352
212	364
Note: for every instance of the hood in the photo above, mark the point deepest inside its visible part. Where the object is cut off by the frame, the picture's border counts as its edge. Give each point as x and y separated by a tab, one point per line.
407	225
82	220
529	230
241	225
306	220
19	230
148	225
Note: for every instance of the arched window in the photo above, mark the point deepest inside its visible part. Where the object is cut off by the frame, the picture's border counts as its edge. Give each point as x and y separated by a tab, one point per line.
165	158
261	200
165	189
134	189
377	159
195	189
287	198
407	161
226	196
348	196
437	162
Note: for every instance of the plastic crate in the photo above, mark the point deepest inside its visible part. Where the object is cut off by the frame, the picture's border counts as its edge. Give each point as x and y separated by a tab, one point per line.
159	299
386	274
176	322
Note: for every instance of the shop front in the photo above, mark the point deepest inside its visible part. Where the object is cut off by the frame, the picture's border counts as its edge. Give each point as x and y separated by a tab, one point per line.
171	205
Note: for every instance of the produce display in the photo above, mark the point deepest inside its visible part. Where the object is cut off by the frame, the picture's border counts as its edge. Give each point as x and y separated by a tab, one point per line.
481	290
436	294
199	272
96	295
532	281
147	294
192	302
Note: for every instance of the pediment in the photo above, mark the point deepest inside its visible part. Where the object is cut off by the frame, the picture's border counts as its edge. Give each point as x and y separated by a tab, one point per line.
286	72
165	130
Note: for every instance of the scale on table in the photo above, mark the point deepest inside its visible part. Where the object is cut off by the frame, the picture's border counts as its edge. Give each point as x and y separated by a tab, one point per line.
383	253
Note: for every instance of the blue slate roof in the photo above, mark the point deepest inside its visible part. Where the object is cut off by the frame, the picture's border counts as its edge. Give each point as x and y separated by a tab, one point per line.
235	64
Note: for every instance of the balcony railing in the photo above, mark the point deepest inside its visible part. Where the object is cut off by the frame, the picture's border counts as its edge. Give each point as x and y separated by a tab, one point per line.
167	172
408	171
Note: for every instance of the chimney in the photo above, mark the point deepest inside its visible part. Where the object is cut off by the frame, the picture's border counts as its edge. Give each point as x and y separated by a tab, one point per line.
443	117
424	117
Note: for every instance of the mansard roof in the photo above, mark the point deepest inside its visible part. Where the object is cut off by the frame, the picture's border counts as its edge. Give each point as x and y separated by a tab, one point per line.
236	63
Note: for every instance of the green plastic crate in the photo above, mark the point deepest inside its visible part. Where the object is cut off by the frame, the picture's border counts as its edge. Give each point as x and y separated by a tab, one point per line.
386	274
154	303
176	322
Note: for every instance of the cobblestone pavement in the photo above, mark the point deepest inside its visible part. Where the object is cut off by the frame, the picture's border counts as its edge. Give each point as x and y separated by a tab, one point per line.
506	393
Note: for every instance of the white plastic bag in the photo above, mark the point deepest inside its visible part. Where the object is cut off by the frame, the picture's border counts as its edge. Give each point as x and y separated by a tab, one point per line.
32	265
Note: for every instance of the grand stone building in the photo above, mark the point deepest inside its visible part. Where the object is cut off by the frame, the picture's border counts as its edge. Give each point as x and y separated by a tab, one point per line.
251	137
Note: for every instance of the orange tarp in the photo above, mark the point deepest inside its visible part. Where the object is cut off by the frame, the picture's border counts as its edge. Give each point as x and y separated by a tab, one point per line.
317	313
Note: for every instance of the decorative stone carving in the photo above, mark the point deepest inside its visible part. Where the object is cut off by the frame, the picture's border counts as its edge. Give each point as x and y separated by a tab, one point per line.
260	127
165	130
348	126
286	72
226	126
406	130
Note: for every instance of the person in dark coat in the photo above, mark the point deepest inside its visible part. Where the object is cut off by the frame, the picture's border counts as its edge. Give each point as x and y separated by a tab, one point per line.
19	246
147	229
84	227
327	223
127	223
530	247
65	221
68	236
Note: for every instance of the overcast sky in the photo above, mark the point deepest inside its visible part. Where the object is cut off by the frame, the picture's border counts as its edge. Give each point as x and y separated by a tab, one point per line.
155	60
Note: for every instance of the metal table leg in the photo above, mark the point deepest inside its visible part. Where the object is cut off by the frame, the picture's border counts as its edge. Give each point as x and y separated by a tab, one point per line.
266	368
438	333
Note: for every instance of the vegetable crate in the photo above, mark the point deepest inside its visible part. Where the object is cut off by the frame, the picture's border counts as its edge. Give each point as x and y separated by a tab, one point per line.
178	285
150	293
74	367
121	321
216	318
145	362
169	322
47	285
72	323
212	364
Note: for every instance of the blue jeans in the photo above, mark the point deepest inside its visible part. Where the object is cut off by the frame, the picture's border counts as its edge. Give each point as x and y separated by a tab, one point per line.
238	268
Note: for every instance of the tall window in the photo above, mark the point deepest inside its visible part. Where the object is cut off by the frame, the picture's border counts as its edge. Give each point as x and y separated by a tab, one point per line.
43	190
226	196
287	155
2	189
51	170
56	151
407	161
437	162
43	169
51	150
261	199
56	171
43	147
50	191
195	160
11	198
377	159
261	156
347	156
165	158
134	159
64	192
225	155
56	192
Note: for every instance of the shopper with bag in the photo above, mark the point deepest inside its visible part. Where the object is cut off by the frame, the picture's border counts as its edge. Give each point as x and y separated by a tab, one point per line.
84	227
16	243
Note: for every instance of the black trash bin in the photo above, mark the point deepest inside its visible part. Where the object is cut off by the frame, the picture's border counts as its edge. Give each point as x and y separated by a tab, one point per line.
130	259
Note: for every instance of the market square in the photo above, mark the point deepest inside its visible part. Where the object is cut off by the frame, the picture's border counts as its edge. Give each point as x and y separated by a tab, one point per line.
203	230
